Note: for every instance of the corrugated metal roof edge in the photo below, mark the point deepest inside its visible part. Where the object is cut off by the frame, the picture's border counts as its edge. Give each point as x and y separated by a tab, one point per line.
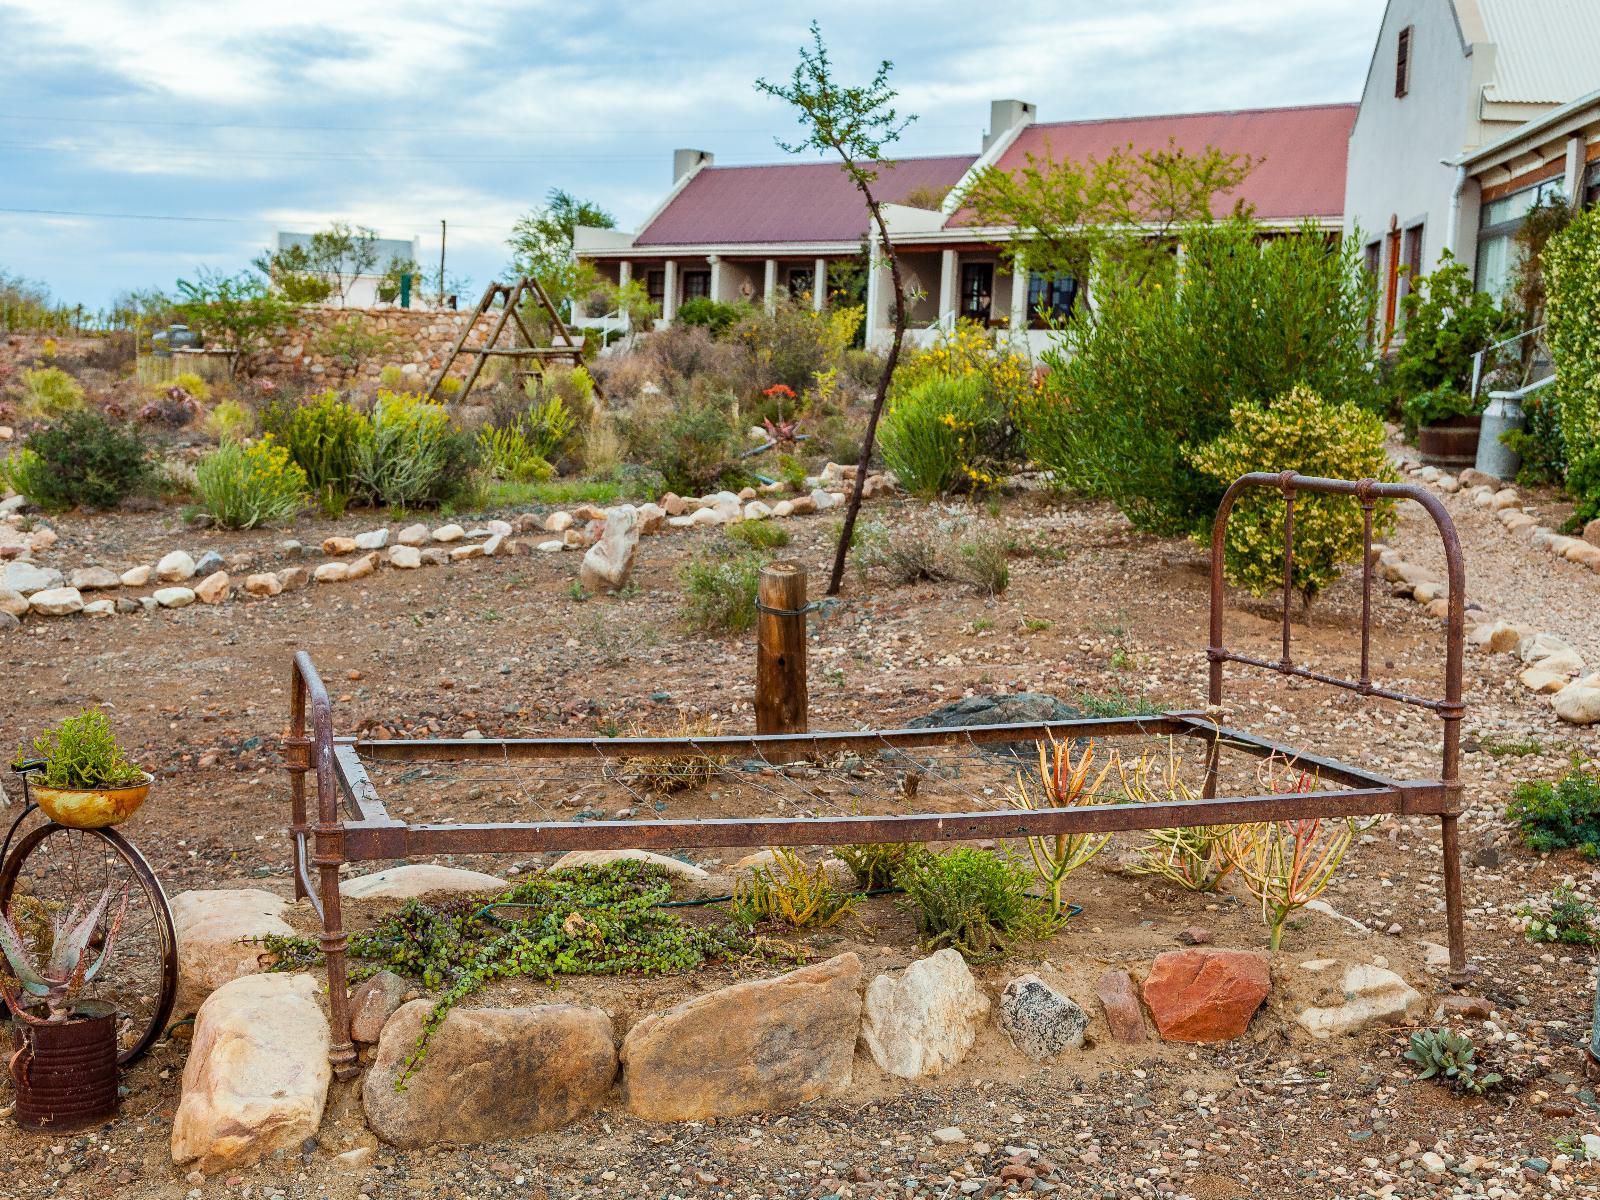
950	158
1216	112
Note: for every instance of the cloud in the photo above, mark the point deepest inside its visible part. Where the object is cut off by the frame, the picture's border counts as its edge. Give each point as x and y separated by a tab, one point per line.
395	113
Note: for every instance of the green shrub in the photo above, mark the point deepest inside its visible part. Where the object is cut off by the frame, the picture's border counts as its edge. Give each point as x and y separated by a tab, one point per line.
230	421
720	593
969	900
197	387
549	423
1565	918
324	436
981	562
415	457
81	459
759	535
1560	816
49	393
1446	323
1159	369
877	864
1301	433
691	443
1572	277
1431	407
792	892
82	752
710	314
508	453
243	486
934	434
1539	445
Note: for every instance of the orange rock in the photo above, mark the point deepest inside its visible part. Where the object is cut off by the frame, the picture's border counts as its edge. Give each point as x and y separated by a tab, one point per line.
1205	995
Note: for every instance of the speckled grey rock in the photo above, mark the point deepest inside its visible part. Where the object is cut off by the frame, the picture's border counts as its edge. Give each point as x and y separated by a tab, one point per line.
1041	1022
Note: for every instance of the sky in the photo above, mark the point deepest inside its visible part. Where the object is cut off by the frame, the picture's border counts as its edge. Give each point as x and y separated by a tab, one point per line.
141	141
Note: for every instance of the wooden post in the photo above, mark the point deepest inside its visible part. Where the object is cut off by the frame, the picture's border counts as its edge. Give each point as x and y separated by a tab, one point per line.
781	702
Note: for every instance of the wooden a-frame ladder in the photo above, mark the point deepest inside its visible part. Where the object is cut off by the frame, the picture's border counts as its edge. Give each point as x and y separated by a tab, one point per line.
512	294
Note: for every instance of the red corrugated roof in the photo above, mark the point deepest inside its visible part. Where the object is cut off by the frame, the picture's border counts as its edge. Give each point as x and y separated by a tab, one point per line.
1300	152
786	202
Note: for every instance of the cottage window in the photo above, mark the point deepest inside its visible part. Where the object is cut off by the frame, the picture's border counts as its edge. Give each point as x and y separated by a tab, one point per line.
655	286
977	291
1050	297
1402	63
696	285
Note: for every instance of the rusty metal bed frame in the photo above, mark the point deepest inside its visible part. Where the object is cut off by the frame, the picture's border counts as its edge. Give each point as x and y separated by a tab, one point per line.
352	825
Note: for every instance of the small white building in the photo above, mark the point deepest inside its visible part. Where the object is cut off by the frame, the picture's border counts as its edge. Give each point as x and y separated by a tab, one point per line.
1447	79
361	286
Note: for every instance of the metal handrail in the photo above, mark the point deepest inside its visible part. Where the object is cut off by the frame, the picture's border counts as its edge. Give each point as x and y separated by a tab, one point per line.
1477	359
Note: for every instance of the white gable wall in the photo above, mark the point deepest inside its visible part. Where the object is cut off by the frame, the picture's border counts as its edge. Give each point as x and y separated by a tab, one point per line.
1398	147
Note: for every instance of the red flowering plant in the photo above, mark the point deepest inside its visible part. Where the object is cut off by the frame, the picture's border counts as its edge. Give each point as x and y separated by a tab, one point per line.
780	430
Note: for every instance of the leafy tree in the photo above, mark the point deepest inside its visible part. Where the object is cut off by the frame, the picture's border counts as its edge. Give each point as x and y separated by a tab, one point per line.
541	245
389	285
293	275
1116	214
1162	367
239	311
326	265
854	123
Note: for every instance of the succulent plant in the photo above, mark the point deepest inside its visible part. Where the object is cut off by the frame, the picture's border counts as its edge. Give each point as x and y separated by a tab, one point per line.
57	967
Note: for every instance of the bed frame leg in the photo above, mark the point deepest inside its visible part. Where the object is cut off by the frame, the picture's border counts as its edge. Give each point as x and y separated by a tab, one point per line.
1450	846
342	1052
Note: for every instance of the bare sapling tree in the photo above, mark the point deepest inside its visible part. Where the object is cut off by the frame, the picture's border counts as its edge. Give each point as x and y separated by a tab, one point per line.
855	123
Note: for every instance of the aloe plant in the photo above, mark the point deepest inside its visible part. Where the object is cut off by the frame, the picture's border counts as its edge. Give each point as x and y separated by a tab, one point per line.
56	969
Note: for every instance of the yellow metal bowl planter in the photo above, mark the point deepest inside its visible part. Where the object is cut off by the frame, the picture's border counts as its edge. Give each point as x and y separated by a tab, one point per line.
91	808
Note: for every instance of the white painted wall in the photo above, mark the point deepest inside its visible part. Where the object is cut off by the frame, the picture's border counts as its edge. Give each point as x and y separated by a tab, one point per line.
1398	146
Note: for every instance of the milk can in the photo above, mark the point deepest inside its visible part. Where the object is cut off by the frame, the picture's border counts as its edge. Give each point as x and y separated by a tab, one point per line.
1503	415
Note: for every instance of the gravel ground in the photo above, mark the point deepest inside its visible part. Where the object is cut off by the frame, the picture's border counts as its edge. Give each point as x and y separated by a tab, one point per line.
500	645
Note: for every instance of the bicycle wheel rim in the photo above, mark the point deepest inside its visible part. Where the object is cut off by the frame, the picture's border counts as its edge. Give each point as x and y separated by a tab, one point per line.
57	867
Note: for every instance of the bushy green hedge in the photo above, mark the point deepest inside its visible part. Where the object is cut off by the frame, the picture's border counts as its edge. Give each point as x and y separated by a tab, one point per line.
243	486
1572	275
324	437
1157	370
415	456
933	433
1297	432
81	459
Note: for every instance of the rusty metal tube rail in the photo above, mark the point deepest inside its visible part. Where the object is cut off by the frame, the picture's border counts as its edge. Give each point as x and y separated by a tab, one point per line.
353	825
1449	707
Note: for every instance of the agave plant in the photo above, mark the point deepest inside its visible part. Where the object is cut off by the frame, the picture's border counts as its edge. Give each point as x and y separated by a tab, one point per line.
58	966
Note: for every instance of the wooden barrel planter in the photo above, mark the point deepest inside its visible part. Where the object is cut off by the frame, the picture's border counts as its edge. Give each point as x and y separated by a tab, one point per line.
1451	444
66	1074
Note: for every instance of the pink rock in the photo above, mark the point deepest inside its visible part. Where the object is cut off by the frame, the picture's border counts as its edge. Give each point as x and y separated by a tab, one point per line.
1123	1011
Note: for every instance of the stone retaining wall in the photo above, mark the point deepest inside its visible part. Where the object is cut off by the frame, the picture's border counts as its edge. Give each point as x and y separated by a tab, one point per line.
421	341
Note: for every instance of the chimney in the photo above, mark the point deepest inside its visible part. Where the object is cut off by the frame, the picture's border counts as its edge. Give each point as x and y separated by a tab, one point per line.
1006	115
685	161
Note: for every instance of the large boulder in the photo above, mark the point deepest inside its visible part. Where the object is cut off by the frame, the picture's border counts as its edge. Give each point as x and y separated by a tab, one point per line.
257	1076
1041	1022
488	1074
418	879
1205	995
1360	996
56	602
922	1022
27	578
1578	703
760	1046
216	932
609	562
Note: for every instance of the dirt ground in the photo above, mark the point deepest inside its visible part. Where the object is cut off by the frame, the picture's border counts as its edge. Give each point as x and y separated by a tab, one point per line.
503	646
